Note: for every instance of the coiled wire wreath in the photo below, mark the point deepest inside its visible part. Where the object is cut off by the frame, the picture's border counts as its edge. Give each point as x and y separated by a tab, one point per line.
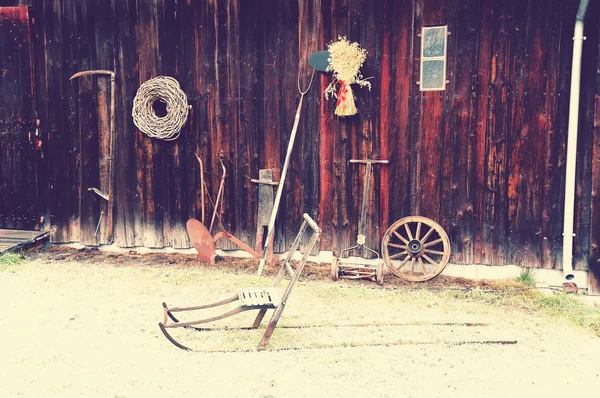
167	90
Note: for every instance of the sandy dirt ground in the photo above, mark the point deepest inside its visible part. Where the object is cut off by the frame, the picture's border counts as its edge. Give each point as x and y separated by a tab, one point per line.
79	326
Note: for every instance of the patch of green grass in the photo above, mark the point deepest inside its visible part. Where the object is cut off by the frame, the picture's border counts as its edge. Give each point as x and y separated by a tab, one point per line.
527	277
9	259
566	306
558	305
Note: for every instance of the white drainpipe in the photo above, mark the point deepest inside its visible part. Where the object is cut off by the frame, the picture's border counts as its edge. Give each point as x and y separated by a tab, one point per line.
572	142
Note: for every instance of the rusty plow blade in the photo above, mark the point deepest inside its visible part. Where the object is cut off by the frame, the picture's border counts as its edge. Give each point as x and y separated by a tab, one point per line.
202	241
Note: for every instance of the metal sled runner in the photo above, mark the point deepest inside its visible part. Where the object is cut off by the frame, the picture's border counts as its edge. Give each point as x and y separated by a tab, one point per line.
253	298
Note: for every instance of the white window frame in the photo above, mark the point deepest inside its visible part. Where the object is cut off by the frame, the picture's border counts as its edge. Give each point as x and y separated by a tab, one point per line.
424	29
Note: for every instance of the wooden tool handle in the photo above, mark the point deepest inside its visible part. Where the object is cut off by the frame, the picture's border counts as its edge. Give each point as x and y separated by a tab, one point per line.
369	161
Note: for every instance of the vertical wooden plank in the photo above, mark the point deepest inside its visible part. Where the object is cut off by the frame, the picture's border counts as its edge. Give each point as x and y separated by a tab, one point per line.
457	205
343	196
272	22
291	199
370	114
127	209
518	136
551	221
251	123
594	255
494	236
149	153
55	121
561	116
223	102
309	27
74	61
87	122
354	133
583	187
200	52
19	177
477	168
237	185
415	120
428	184
404	98
386	105
176	161
9	130
104	28
326	147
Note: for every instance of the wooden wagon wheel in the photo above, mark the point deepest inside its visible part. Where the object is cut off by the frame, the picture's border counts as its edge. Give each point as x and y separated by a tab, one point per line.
415	248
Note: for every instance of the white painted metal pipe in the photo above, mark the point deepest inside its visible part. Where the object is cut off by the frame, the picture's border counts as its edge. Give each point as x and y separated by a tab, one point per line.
568	234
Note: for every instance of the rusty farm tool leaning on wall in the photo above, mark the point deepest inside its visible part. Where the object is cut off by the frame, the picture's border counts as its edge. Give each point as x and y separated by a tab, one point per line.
200	236
108	194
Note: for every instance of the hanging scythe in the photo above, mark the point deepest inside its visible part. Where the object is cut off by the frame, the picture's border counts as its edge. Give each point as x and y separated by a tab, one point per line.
108	195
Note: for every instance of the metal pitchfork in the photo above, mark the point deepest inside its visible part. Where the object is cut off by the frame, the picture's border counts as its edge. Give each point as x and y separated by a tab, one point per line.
271	228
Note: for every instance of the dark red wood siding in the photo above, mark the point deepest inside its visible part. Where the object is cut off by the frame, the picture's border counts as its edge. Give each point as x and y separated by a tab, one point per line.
485	158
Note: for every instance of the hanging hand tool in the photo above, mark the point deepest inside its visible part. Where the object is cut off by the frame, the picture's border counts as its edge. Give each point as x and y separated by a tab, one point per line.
108	195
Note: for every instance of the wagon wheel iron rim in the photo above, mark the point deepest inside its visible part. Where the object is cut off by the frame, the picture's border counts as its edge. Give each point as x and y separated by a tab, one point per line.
415	249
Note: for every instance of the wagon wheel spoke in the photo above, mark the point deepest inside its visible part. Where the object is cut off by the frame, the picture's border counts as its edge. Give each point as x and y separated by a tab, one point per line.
434	242
422	265
398	255
430	260
403	262
398	246
412	265
408	233
418	233
424	239
402	238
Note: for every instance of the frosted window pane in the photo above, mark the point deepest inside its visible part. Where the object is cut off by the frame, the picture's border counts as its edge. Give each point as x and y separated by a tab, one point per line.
434	42
433	74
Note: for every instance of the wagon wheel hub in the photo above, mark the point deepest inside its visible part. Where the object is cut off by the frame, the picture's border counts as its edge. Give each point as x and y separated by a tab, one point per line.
414	247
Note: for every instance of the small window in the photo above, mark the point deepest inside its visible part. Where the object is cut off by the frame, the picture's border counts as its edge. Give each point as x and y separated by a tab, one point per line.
433	58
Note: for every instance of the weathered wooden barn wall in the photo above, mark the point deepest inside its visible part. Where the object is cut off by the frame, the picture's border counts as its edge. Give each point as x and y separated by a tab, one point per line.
19	154
485	158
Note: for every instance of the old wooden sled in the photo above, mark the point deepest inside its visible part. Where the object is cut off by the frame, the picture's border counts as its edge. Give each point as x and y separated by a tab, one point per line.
252	298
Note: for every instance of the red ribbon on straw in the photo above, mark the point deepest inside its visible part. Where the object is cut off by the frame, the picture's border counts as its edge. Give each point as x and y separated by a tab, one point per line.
342	93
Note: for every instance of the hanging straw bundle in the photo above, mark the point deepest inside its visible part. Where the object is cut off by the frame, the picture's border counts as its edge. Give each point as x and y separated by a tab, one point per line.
345	61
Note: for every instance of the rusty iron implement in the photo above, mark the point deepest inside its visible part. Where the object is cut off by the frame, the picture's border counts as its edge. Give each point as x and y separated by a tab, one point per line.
200	237
108	195
252	298
356	270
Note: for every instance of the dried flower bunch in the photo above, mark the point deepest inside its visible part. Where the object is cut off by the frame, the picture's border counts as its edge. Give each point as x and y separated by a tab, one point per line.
345	61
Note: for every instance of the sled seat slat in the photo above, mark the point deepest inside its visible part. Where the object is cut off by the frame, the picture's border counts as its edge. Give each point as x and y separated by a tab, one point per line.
267	297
